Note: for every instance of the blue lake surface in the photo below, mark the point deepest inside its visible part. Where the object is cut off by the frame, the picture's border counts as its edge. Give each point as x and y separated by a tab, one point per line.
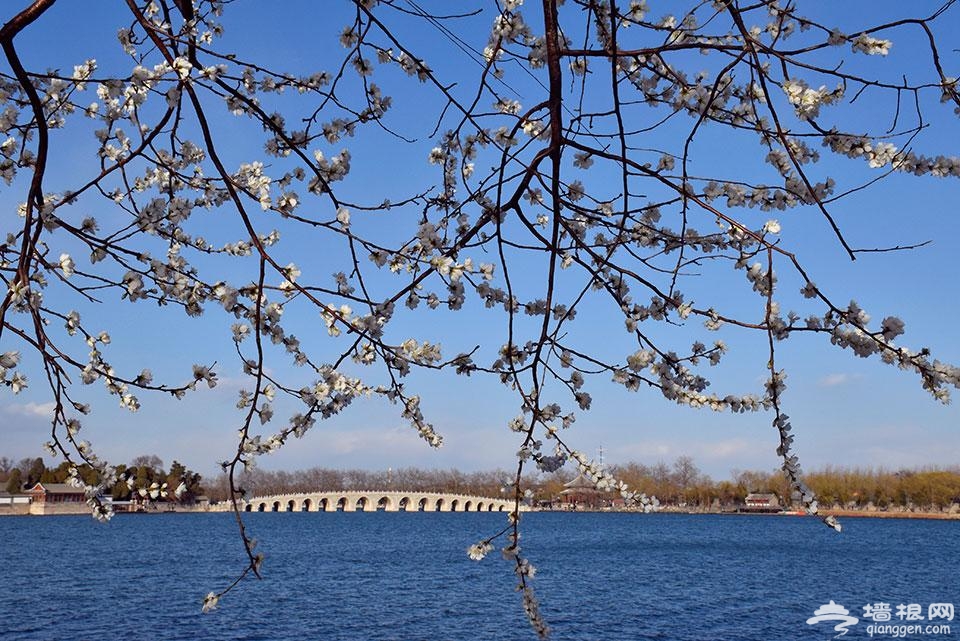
406	576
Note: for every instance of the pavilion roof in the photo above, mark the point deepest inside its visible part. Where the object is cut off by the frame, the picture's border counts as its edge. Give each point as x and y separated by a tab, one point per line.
579	484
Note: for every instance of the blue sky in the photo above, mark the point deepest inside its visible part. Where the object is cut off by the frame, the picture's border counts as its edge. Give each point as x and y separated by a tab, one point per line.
845	410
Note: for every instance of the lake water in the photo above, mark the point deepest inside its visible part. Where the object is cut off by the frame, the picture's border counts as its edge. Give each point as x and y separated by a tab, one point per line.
406	577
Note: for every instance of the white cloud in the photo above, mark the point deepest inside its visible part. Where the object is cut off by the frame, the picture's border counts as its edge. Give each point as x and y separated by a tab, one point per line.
36	410
833	380
725	449
892	446
703	452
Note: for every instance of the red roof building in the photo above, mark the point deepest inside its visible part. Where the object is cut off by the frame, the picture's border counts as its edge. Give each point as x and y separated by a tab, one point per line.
56	493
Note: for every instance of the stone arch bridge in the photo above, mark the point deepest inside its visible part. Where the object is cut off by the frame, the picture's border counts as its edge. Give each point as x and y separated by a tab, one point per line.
376	501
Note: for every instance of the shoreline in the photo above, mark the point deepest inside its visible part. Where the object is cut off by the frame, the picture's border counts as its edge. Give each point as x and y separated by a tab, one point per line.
936	516
843	514
866	514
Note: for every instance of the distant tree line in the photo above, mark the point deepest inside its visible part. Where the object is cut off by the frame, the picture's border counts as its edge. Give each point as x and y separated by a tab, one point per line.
682	483
144	478
678	484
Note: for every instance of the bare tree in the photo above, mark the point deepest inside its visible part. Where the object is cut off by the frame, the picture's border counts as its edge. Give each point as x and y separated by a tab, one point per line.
6	464
147	460
591	199
685	473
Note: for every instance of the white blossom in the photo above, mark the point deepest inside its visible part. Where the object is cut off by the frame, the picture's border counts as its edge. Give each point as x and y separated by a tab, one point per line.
479	550
343	217
182	66
67	265
871	46
210	602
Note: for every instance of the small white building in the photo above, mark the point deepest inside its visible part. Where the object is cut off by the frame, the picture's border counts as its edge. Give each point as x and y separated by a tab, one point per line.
761	502
14	503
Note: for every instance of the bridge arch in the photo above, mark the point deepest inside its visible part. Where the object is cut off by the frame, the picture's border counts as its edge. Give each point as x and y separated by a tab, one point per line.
379	500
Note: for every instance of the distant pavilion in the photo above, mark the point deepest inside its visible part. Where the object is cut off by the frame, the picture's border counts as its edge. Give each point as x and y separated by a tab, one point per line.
582	493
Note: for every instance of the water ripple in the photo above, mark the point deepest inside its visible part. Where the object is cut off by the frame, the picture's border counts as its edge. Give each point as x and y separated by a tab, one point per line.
406	577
